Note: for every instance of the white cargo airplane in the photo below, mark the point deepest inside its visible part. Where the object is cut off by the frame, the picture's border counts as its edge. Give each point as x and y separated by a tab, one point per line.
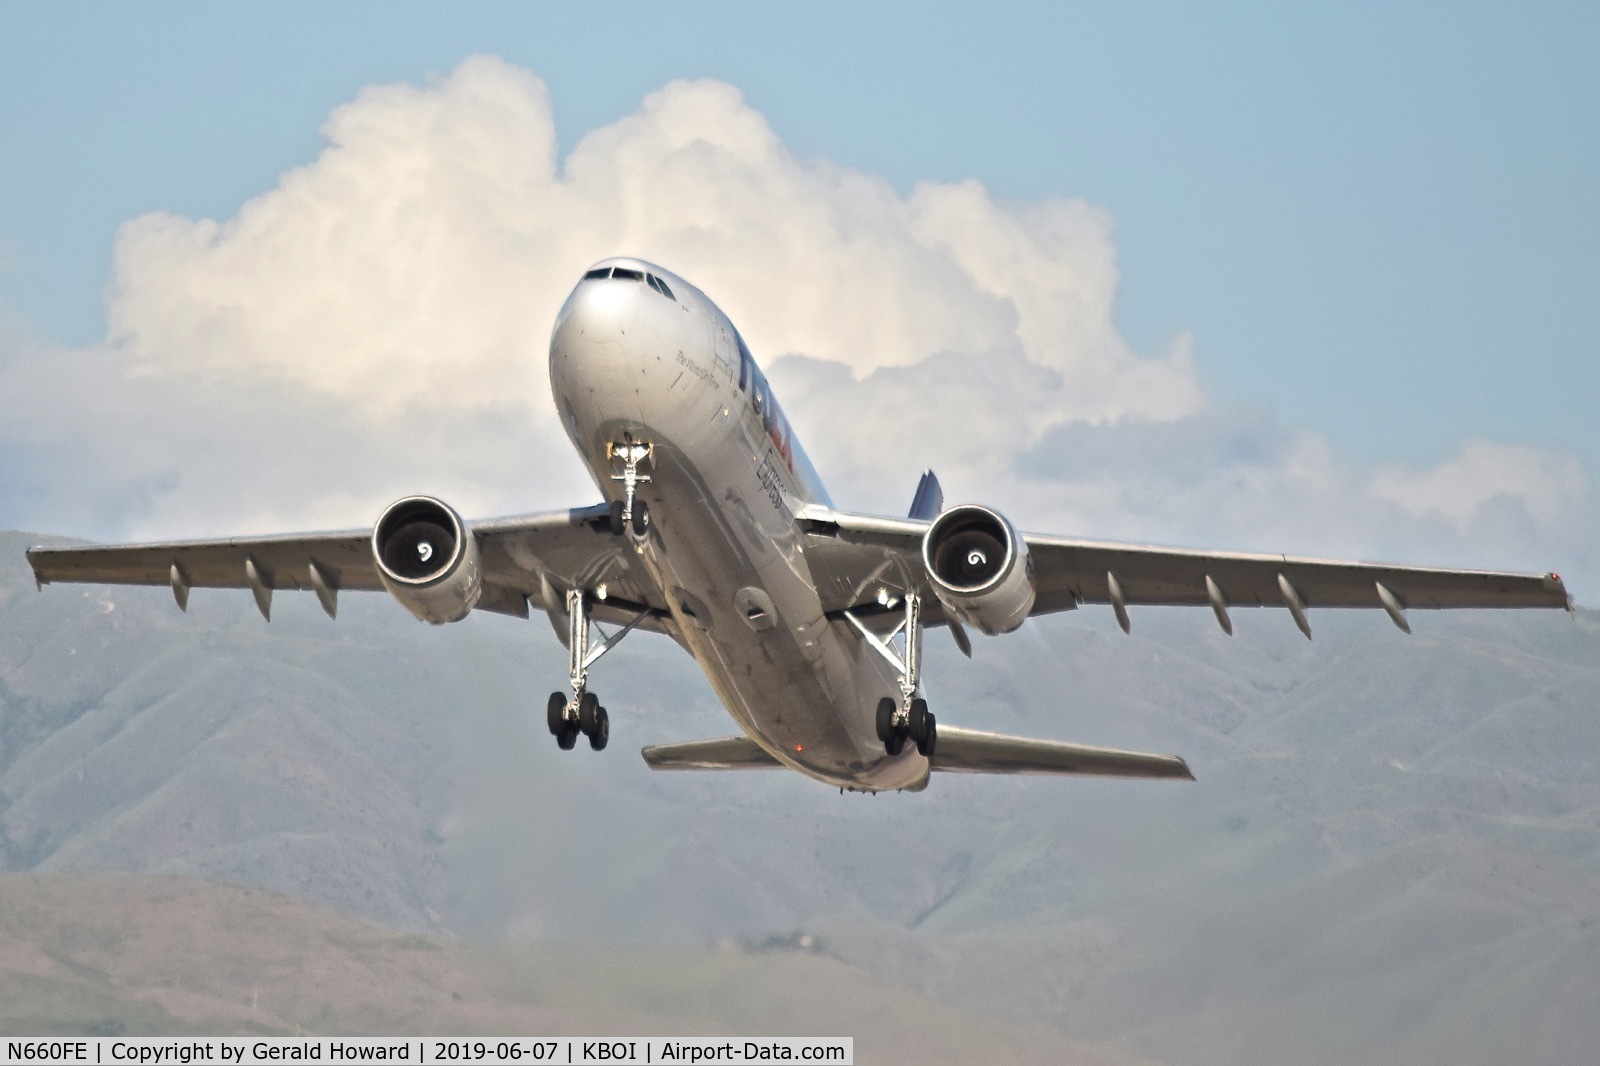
807	621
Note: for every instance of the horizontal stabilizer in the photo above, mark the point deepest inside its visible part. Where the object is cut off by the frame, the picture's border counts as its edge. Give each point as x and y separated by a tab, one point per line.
972	751
723	753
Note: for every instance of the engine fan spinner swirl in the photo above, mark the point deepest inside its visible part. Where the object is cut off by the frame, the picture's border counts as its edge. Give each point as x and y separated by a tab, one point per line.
427	558
978	566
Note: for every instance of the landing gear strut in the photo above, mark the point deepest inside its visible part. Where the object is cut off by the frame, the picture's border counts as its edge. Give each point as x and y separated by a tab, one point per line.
582	713
630	514
907	718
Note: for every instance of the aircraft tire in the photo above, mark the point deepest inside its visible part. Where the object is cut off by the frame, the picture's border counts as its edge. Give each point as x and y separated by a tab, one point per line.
917	721
895	744
554	711
930	737
885	719
617	526
641	518
602	730
588	705
567	739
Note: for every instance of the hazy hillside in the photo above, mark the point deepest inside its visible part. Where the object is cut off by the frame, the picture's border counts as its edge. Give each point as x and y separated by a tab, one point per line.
1392	852
112	955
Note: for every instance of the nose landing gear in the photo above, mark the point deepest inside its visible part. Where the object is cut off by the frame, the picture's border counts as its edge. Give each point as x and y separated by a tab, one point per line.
582	713
630	514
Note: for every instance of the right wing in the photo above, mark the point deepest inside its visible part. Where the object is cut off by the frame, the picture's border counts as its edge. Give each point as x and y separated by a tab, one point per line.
853	554
528	557
1076	571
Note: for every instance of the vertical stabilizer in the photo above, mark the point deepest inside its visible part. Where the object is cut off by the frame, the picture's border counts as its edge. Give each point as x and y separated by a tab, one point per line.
929	500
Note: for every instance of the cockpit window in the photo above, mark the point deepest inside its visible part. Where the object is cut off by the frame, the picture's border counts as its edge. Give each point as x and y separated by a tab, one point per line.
629	274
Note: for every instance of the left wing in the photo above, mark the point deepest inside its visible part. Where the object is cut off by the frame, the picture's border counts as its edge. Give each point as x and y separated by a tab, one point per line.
521	557
853	554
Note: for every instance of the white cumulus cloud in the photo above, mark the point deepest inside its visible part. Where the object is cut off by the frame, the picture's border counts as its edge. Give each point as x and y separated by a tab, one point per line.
377	324
422	256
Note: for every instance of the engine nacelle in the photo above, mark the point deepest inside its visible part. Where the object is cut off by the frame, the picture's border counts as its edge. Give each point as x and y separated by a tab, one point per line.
980	568
428	559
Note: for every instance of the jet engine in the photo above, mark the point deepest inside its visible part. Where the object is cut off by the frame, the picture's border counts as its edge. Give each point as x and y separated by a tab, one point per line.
980	568
428	559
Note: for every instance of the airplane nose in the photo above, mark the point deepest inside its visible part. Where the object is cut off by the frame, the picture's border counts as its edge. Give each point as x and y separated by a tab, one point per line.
596	351
597	312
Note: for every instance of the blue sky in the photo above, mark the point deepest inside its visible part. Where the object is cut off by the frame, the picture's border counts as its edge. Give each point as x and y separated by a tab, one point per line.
1350	207
1378	223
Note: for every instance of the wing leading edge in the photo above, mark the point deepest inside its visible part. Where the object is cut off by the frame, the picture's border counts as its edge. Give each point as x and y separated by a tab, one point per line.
856	552
523	557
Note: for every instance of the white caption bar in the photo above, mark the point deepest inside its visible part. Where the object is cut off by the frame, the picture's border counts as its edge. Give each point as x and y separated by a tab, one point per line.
430	1051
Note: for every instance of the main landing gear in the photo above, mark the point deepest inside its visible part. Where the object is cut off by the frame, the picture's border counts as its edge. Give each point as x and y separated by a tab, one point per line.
907	718
591	720
630	514
582	713
916	724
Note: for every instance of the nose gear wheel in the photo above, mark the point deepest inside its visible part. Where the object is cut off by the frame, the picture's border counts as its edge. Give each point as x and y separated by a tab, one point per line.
630	514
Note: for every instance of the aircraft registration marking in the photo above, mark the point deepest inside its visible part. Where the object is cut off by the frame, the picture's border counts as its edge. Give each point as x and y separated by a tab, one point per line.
771	481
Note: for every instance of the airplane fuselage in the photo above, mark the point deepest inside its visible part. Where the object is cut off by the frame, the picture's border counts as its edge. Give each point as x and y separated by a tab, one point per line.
725	547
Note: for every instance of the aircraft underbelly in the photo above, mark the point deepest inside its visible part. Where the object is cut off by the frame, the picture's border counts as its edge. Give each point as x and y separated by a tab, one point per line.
728	558
802	686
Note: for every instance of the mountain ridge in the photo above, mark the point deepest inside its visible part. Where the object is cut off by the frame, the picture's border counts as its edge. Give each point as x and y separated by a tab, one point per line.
1378	819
